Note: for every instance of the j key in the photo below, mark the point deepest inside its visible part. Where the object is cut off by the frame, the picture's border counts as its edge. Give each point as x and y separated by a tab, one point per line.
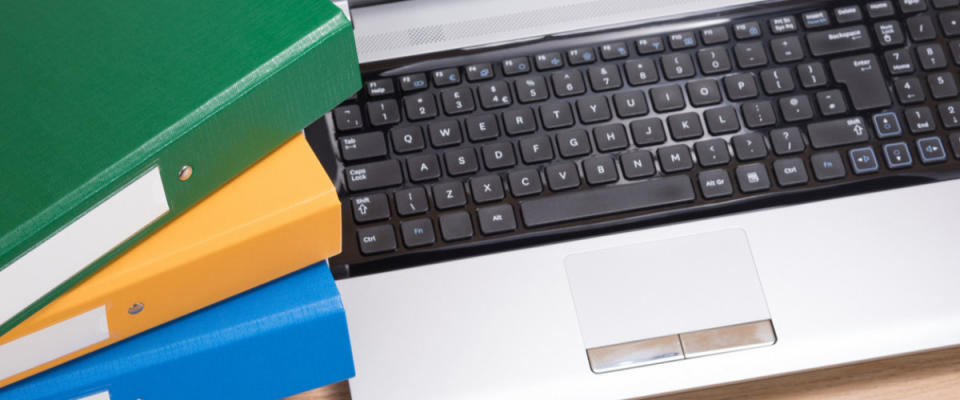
456	226
617	199
363	146
479	72
950	115
531	89
889	33
921	28
848	14
413	82
411	201
347	117
677	66
912	6
715	35
909	90
380	87
494	95
816	19
614	51
920	120
714	60
650	45
787	141
370	208
931	56
516	66
605	77
446	77
790	172
377	239
420	106
374	175
864	80
648	131
712	152
417	233
950	22
942	85
750	54
496	219
899	62
828	166
384	112
581	56
457	101
812	75
838	132
715	183
787	49
641	71
683	40
839	40
880	9
568	83
637	164
548	61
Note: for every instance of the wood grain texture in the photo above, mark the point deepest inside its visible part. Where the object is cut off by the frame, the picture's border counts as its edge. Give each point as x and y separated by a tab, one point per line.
929	375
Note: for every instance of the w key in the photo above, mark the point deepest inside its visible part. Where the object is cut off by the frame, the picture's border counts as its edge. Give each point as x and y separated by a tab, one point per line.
864	80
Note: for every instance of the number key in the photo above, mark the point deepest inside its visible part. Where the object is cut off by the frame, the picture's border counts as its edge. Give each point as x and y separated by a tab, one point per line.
420	106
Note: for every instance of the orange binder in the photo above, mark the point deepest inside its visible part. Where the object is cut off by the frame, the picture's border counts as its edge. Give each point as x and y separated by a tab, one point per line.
278	216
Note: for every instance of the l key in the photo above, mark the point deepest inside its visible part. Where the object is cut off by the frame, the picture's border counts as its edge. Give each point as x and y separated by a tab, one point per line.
865	82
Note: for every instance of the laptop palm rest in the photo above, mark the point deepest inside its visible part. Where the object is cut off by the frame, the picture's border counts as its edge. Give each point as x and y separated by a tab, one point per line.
668	300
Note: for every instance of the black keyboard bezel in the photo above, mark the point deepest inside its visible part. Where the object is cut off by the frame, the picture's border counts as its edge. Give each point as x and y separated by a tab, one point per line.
352	263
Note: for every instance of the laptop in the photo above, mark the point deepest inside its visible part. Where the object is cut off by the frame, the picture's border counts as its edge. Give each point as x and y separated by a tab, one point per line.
622	198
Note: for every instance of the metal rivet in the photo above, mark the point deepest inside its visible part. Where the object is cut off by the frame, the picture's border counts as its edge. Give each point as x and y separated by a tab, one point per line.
135	308
185	172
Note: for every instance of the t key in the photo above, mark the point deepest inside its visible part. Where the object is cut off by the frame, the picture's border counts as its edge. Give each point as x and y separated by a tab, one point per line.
864	80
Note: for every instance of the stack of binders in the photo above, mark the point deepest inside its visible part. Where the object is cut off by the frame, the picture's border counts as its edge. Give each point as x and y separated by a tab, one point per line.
156	205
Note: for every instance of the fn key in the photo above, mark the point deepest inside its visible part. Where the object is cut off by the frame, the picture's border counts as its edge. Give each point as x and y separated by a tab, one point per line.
377	239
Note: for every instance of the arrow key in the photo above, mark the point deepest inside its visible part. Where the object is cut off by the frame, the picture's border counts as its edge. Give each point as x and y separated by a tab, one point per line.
863	160
898	155
931	150
370	208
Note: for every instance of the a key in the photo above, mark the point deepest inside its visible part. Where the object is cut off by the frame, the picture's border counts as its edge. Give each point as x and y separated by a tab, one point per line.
715	35
863	79
880	9
704	92
496	219
456	226
950	114
637	164
758	114
362	146
417	233
479	72
614	51
482	127
650	45
831	102
887	125
377	239
423	168
741	86
747	30
777	81
912	6
796	108
839	40
950	23
784	24
536	149
683	40
411	201
931	57
374	175
838	132
617	199
847	14
369	208
580	56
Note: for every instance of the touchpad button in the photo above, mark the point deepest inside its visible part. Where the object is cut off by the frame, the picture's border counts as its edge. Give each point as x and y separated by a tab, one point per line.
682	289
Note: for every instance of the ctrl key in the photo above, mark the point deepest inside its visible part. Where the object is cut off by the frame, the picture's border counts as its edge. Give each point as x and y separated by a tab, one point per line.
377	239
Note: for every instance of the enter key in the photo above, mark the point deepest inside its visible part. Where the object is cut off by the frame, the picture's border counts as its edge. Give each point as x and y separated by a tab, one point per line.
864	80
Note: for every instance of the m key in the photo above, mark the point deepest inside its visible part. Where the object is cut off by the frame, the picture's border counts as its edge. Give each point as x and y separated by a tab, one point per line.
864	81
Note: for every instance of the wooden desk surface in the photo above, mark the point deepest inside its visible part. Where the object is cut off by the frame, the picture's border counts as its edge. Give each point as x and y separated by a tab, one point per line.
930	375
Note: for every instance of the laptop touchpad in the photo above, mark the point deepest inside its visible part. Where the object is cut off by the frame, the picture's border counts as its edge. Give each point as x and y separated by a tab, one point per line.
668	300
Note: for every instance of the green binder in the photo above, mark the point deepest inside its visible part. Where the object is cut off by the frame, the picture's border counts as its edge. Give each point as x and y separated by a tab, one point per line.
118	115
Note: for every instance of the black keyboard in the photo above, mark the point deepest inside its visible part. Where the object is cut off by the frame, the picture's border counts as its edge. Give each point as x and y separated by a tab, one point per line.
464	153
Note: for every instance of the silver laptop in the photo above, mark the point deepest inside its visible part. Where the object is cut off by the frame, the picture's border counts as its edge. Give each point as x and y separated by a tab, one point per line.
623	198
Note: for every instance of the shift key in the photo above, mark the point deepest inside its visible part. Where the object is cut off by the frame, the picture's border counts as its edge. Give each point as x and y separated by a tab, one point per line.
374	175
838	132
840	40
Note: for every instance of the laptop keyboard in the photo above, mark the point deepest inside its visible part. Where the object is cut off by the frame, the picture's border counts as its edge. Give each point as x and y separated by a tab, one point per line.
620	129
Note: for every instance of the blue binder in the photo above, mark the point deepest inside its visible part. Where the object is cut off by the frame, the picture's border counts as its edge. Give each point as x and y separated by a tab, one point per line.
277	340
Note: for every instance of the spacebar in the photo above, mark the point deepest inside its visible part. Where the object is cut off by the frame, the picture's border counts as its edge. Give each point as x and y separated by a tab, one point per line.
607	200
